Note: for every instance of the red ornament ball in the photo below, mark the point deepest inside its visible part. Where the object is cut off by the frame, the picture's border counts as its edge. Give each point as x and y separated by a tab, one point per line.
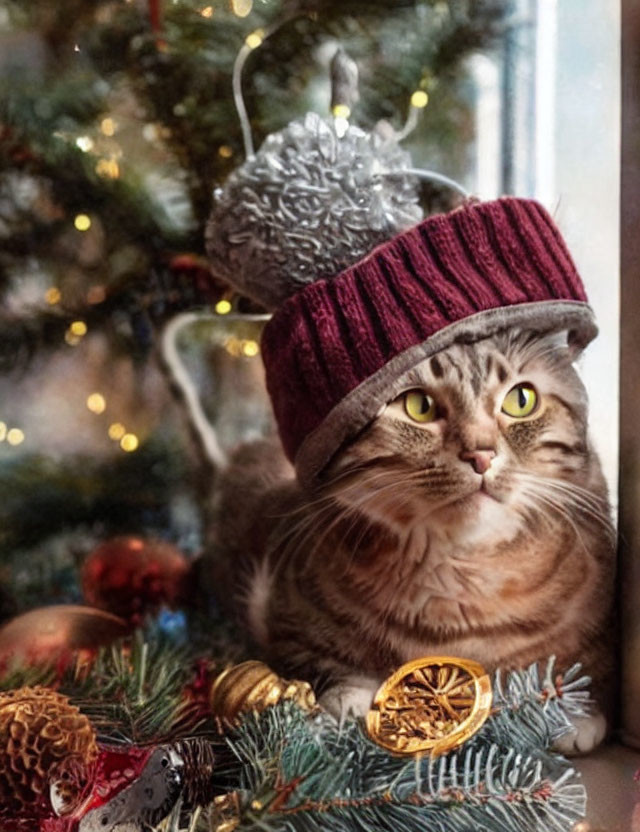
133	577
58	635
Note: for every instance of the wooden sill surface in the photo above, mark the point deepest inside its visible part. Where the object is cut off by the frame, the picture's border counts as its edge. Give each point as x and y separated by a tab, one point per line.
612	792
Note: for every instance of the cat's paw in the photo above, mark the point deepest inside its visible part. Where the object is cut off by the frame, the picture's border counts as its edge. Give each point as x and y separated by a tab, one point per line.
588	732
351	697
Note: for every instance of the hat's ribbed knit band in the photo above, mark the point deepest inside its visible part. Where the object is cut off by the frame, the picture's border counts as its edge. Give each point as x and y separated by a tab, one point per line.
360	406
332	351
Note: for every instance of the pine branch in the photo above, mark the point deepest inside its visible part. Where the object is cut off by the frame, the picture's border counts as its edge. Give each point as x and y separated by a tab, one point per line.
303	774
134	692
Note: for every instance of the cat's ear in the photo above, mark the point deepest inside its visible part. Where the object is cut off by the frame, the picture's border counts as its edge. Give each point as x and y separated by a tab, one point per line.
565	341
574	343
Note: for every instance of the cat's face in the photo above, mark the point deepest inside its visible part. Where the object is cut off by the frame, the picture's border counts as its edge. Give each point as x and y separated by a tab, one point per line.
484	438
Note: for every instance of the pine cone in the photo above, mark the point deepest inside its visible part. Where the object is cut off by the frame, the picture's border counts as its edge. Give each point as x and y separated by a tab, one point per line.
43	740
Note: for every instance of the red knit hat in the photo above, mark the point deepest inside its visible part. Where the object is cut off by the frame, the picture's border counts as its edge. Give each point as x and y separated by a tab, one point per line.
333	351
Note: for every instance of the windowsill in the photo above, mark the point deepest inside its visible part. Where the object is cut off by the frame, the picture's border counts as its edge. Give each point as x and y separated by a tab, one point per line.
612	792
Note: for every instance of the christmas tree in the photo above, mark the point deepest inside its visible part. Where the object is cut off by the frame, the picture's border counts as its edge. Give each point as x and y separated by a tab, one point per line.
117	121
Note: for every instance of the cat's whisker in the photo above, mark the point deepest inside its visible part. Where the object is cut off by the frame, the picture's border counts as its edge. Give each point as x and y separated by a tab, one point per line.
570	487
551	503
293	535
531	510
583	500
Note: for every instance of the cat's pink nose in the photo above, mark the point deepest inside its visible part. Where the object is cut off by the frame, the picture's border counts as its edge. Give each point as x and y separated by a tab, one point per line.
480	460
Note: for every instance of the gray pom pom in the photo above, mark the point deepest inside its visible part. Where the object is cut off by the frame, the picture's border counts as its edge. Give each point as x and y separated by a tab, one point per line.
307	205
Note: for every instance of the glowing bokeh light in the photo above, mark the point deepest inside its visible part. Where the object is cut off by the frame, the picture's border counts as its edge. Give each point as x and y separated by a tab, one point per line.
250	348
78	328
129	442
85	143
116	431
108	126
241	8
53	295
15	436
223	307
108	168
82	222
254	39
96	403
419	99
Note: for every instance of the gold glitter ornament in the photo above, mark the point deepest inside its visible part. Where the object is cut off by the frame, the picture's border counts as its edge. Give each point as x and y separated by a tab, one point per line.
253	686
430	705
47	748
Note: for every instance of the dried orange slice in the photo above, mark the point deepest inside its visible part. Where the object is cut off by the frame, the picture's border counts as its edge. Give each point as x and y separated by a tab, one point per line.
430	705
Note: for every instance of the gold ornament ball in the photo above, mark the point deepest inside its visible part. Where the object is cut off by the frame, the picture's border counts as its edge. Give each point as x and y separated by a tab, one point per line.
430	705
44	740
253	686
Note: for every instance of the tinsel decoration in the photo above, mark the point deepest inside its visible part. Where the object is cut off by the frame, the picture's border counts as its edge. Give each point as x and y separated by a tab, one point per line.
307	205
47	752
430	705
253	686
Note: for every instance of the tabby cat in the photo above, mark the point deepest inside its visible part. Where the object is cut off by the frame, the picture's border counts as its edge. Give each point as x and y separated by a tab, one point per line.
470	518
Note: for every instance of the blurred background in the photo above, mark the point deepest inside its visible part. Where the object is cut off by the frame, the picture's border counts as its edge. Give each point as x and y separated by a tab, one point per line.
116	123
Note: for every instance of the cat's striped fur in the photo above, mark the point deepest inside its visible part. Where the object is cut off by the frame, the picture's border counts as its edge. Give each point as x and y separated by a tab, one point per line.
405	550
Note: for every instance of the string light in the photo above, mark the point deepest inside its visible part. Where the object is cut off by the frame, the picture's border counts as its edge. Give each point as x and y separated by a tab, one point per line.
109	168
52	296
78	328
15	436
85	143
207	11
223	307
254	39
82	222
96	403
71	339
116	431
225	151
250	348
419	99
3	431
129	442
341	111
238	347
241	8
108	126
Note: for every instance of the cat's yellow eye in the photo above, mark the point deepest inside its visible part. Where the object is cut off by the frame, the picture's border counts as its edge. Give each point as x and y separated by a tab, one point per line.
520	401
419	406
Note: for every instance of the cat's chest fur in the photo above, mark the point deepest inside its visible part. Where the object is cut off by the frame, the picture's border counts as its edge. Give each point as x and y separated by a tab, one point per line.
395	597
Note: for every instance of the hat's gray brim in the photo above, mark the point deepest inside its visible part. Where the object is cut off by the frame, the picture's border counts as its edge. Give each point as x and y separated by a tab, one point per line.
360	406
